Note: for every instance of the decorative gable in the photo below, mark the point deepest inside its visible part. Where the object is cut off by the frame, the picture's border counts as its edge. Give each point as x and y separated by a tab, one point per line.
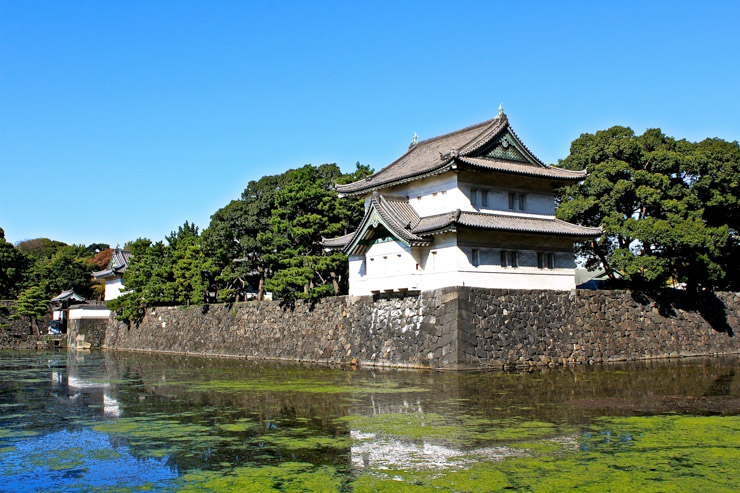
505	147
374	229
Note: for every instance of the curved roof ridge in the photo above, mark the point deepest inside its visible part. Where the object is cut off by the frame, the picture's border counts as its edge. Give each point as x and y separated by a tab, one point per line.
422	158
598	228
527	148
498	125
458	131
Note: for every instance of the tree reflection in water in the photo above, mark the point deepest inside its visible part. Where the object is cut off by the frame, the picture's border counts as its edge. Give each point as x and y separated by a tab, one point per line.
106	419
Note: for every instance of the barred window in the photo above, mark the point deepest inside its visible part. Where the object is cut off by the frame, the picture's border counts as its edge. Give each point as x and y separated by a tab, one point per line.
475	257
545	260
517	200
509	258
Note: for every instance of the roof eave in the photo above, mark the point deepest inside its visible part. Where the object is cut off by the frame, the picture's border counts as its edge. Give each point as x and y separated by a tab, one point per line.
564	234
444	167
575	178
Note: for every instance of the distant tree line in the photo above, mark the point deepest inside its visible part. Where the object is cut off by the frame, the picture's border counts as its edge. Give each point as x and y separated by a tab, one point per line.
34	271
670	209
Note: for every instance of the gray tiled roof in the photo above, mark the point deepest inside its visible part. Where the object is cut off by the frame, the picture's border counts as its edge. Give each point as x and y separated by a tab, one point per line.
523	169
396	214
424	157
504	222
438	154
403	222
337	243
69	294
118	264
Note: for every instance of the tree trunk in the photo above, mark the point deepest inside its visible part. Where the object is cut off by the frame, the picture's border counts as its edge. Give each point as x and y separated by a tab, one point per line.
609	271
261	284
335	283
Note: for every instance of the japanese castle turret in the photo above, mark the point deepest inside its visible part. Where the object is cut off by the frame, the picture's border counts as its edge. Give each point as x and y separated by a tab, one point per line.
472	207
113	274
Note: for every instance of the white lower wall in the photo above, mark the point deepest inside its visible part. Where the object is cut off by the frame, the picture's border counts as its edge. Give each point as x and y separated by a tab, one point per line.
88	313
392	266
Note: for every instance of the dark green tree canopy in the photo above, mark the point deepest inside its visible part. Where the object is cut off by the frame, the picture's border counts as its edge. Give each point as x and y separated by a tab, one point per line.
52	266
14	266
668	207
273	232
306	210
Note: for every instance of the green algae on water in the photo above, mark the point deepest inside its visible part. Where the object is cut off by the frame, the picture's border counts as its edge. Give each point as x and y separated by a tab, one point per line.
295	440
657	453
464	430
304	385
9	433
287	477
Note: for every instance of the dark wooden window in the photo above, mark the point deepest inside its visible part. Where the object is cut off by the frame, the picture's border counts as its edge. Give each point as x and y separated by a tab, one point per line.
509	258
475	257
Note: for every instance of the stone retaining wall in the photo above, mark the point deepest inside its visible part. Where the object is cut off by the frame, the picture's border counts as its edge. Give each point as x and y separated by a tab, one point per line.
86	333
410	331
503	328
18	333
451	327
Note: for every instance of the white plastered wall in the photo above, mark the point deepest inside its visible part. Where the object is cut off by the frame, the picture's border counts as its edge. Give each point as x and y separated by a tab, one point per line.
434	195
88	313
528	275
394	266
450	191
386	266
113	288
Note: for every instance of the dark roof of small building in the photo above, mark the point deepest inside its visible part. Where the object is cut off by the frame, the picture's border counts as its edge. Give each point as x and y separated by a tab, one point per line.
118	264
67	295
468	147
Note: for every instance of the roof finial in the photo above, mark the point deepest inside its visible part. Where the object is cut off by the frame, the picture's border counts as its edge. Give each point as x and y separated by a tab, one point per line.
414	140
500	109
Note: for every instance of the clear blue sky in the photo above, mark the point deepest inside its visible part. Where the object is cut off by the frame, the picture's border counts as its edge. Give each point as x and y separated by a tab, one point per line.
121	120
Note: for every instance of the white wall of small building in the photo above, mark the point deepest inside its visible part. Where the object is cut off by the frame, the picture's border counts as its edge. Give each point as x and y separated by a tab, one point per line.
113	288
88	313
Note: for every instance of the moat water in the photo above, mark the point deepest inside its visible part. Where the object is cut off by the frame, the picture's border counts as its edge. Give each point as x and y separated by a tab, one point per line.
108	421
